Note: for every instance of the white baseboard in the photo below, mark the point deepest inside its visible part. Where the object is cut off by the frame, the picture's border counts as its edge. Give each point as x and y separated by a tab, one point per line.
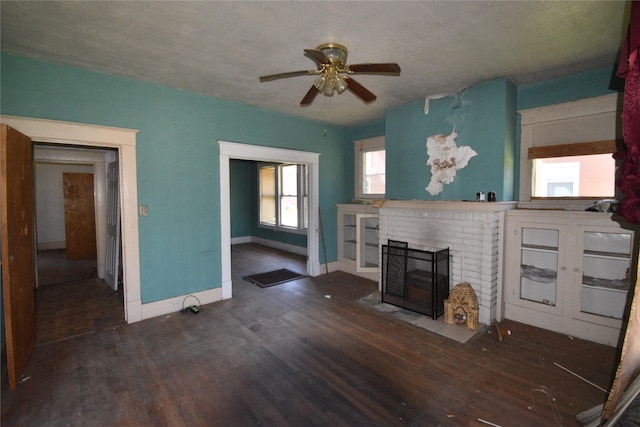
287	247
175	304
240	240
45	246
333	266
350	267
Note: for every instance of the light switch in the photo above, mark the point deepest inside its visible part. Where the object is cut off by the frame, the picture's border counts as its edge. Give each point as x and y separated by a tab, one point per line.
144	211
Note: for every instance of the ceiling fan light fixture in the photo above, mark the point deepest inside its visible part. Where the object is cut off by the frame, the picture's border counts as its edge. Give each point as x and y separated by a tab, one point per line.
333	74
320	83
341	84
336	53
330	81
329	88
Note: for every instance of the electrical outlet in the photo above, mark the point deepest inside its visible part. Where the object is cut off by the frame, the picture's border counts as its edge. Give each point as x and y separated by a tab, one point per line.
174	304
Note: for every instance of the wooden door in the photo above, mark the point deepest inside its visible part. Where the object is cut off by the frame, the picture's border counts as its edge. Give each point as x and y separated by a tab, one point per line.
79	215
18	272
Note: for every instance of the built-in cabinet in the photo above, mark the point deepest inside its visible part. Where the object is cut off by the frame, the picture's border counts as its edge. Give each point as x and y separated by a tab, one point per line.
358	240
568	272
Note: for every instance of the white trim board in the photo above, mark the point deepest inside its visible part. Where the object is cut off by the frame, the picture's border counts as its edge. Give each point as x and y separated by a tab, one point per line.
287	247
98	159
234	150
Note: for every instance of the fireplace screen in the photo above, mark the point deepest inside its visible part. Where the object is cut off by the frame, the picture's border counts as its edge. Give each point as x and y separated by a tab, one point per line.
417	280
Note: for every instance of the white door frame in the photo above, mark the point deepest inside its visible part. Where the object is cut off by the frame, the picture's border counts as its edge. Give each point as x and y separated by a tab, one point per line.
79	134
234	150
96	158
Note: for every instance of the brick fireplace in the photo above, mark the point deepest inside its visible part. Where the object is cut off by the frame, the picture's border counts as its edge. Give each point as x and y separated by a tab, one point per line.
471	230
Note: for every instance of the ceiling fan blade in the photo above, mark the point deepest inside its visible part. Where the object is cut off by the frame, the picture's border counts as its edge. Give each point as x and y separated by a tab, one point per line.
309	97
360	91
284	75
388	68
317	56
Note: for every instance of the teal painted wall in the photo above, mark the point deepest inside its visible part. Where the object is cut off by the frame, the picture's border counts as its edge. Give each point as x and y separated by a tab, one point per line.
598	82
483	117
177	152
177	158
511	131
294	239
574	87
242	183
367	130
363	131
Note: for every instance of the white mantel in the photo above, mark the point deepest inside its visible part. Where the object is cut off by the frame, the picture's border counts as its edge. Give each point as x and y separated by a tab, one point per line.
449	205
471	230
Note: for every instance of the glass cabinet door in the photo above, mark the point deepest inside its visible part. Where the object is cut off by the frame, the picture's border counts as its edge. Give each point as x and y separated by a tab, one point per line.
539	265
367	251
349	236
604	283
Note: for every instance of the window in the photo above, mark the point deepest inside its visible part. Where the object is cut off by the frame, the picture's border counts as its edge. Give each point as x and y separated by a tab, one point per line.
370	168
582	170
566	129
284	196
267	185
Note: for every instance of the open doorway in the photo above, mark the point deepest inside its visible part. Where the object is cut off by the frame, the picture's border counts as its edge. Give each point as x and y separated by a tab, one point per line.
75	292
230	150
269	214
124	140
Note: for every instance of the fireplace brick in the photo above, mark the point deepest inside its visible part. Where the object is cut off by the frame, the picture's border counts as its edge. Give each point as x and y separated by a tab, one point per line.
471	231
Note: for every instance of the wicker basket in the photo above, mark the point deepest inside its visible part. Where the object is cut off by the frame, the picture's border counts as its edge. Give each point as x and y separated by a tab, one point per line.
461	308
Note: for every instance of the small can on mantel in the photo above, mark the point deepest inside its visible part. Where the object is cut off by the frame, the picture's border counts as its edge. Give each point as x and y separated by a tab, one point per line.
480	196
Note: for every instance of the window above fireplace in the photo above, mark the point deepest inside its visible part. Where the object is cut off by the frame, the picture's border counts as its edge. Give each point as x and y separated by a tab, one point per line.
581	170
563	147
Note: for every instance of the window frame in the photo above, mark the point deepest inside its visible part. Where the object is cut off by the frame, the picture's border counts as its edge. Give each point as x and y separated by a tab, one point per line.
302	197
361	147
590	119
567	151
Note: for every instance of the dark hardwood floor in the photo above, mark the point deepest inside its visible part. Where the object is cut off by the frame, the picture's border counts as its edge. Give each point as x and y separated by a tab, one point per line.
71	300
303	353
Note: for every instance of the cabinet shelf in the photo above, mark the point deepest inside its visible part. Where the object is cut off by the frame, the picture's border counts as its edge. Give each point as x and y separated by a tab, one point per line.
358	234
538	248
537	274
608	284
606	255
605	288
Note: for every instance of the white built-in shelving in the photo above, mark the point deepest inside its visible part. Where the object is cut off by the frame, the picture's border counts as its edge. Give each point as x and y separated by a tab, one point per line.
568	272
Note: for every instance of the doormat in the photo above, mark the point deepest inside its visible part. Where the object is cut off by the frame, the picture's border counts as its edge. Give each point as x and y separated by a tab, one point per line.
271	278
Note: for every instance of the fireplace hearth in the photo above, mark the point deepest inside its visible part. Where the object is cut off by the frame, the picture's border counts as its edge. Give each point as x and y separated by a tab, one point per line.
415	279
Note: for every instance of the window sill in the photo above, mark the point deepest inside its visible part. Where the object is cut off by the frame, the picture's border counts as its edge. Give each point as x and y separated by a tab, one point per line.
368	197
283	229
559	205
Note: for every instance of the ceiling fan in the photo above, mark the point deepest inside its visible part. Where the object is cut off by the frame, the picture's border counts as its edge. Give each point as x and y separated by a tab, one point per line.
334	73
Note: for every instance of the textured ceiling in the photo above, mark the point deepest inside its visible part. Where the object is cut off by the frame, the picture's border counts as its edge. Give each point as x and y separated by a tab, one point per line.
221	48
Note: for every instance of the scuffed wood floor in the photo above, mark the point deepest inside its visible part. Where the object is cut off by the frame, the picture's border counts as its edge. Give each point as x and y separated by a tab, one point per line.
289	355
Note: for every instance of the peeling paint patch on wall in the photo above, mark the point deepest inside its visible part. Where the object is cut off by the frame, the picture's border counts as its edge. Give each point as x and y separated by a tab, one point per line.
445	159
